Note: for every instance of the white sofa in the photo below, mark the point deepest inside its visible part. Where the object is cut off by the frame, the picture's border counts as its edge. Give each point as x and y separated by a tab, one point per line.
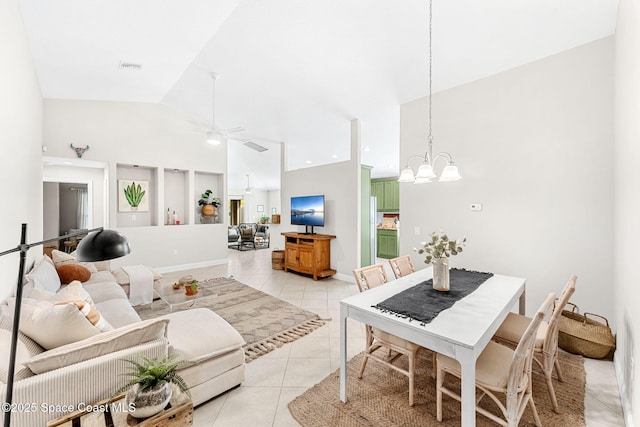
52	382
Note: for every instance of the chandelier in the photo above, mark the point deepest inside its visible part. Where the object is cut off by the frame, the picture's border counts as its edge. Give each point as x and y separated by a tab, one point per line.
426	170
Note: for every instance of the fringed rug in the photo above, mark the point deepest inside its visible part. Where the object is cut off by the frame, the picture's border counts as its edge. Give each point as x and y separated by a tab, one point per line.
264	321
381	398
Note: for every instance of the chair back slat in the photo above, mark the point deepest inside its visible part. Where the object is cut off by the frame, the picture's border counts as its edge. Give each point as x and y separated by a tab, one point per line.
402	266
550	344
370	276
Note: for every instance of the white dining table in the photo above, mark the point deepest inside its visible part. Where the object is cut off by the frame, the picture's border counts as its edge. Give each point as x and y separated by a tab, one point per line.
460	332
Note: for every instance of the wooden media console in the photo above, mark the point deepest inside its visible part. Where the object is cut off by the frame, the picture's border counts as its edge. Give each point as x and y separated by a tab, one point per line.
308	253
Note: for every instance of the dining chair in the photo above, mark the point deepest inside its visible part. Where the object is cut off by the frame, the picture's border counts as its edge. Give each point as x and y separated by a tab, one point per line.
499	369
402	265
546	345
367	278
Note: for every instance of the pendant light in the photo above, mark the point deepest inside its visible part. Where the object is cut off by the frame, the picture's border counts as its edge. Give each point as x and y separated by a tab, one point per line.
426	170
248	189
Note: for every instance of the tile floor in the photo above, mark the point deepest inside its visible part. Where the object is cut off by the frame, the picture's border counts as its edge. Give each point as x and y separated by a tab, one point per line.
275	379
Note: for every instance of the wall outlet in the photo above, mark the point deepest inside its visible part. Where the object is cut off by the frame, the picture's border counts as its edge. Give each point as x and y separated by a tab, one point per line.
476	206
133	217
416	231
175	252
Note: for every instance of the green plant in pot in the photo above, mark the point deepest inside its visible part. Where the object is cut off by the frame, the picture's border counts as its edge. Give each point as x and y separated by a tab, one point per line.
209	203
191	288
264	219
149	389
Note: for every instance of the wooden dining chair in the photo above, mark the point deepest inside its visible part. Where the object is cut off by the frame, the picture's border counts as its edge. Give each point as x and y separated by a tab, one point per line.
499	369
402	265
546	345
367	278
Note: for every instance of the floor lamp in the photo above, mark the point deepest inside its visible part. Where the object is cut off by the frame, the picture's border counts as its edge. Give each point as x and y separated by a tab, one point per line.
98	245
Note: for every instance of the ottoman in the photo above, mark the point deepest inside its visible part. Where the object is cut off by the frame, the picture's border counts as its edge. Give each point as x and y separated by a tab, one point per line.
213	345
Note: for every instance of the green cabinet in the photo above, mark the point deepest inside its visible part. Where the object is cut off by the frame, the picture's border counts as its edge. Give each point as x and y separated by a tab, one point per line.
387	243
387	192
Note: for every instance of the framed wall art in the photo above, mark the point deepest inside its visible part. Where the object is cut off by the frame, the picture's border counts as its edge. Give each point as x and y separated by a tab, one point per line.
133	196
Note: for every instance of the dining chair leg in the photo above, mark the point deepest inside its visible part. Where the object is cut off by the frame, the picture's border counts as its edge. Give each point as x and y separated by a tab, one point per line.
536	417
364	364
412	365
439	382
552	393
556	364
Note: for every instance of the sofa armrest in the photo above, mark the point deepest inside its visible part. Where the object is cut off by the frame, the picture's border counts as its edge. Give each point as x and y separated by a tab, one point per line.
58	392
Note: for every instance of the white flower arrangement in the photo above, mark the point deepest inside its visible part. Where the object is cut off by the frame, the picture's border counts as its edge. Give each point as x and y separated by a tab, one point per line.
441	246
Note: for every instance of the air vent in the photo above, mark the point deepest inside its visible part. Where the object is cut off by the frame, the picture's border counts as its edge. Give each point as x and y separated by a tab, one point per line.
255	146
129	66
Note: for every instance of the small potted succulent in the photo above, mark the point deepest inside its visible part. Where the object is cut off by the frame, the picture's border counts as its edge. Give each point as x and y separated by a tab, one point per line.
149	389
264	219
191	288
209	203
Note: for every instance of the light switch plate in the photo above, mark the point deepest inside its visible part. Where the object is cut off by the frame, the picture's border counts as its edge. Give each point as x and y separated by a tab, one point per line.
476	206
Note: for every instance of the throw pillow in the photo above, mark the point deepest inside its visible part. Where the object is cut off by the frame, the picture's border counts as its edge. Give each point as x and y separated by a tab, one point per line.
70	272
53	325
73	291
44	276
61	258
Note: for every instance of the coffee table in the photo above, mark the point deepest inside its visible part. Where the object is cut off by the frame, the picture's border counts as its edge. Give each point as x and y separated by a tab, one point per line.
176	297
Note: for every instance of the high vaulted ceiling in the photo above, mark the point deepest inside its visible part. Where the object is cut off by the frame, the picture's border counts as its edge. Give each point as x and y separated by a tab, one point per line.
295	71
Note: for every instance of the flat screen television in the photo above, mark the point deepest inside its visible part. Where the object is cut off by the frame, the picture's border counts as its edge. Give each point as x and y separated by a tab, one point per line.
307	211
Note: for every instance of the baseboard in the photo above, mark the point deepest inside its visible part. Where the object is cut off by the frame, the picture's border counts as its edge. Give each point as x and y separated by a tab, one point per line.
192	265
345	277
622	387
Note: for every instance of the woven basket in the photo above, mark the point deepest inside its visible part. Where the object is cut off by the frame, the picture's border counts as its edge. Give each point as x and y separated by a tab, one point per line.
579	334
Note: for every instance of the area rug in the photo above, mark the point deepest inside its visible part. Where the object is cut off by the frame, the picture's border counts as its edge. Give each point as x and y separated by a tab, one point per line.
381	398
264	321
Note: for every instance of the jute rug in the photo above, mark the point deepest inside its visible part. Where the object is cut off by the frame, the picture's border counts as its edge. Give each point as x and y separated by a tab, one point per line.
381	398
264	321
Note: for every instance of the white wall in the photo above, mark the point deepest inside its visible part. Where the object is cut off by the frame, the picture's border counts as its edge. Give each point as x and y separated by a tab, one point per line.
339	183
51	210
21	140
533	145
626	276
147	135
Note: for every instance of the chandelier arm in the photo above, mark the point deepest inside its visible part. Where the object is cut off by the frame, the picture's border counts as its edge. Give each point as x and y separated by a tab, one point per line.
423	158
444	155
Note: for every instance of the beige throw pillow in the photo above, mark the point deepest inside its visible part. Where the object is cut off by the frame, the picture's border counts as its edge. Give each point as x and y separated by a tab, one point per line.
44	276
52	325
72	292
61	258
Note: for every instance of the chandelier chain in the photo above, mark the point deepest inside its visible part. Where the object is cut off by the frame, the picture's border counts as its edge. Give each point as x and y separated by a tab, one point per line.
430	57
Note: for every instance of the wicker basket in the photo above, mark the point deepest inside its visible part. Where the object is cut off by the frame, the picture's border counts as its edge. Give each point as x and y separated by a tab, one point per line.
579	334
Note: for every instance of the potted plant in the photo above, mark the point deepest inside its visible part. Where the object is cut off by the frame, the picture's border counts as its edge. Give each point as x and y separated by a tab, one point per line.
191	288
264	219
438	251
208	203
149	389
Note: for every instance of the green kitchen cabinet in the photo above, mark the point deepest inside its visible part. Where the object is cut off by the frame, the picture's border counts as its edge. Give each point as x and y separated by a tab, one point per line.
387	243
387	191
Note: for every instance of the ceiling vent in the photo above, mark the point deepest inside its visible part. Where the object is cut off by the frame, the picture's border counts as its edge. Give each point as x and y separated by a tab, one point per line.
129	66
255	146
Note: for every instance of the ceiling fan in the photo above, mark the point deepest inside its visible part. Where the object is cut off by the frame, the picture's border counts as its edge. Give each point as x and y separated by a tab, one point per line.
214	134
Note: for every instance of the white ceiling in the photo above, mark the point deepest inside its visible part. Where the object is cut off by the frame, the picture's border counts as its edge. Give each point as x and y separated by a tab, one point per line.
295	71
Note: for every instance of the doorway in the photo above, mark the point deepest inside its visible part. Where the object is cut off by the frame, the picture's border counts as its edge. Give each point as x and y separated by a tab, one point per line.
235	210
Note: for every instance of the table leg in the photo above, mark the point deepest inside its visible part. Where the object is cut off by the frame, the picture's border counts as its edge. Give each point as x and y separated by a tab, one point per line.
343	354
523	299
468	394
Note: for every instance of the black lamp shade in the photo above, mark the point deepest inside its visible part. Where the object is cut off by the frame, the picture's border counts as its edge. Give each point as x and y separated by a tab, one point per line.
102	245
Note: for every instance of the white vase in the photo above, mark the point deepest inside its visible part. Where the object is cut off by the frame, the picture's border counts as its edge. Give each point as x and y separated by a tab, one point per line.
143	404
440	274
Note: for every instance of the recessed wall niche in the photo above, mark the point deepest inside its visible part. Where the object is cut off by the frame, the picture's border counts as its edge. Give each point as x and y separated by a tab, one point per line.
136	188
176	189
204	181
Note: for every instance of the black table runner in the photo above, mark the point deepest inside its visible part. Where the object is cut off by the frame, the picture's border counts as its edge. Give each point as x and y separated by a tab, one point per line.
423	303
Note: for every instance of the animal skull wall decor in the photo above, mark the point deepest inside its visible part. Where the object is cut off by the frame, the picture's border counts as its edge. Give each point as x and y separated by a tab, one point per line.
79	150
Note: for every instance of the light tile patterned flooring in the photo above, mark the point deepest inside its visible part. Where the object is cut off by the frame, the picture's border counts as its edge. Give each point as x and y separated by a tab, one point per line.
275	379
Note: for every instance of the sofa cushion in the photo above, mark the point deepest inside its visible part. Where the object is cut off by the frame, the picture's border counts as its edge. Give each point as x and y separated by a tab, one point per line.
200	334
104	291
98	345
54	324
70	272
61	258
118	312
101	277
43	276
